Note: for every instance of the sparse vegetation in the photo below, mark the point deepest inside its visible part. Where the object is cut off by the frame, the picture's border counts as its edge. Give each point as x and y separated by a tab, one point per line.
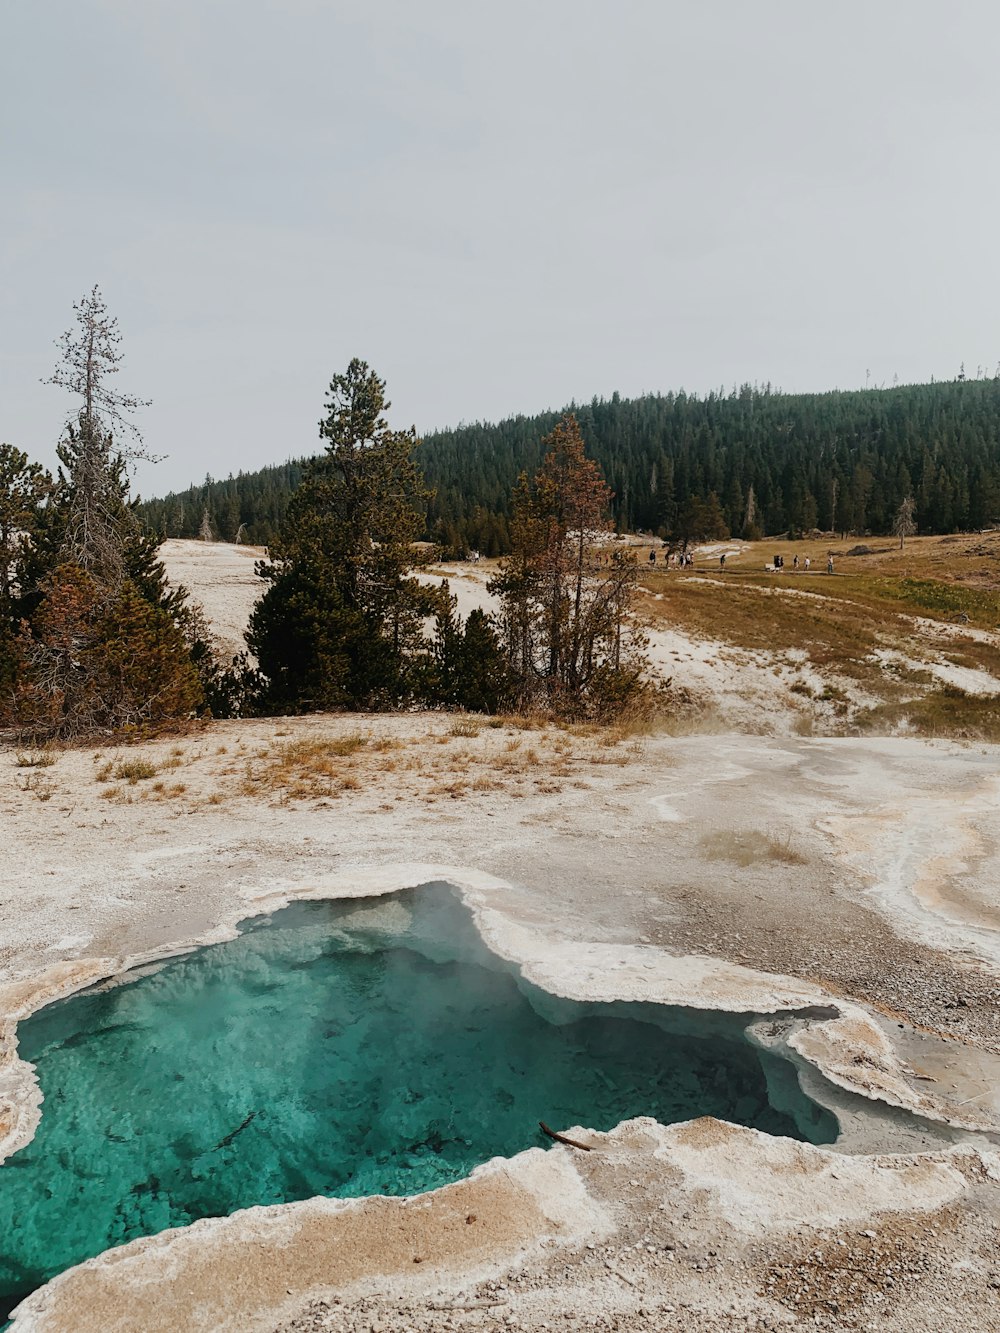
38	785
35	758
947	712
747	847
465	727
135	770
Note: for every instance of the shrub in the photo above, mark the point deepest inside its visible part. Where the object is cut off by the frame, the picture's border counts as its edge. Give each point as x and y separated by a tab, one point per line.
135	770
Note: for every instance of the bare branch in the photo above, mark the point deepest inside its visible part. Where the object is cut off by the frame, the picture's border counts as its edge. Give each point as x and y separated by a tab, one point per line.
90	355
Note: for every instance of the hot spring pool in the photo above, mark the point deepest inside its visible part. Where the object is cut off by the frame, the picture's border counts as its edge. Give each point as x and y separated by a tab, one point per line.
344	1048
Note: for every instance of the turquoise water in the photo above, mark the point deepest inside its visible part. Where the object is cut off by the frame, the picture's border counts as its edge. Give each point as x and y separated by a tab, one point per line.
338	1049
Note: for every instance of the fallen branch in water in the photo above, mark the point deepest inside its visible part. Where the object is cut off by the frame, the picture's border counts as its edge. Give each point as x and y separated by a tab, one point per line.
224	1143
561	1138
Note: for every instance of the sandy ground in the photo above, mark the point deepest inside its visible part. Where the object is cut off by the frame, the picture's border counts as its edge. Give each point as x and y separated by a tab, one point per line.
854	879
783	856
221	578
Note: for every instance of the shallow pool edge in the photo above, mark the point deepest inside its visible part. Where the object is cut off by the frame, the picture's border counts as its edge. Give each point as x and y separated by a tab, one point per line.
836	1039
833	1036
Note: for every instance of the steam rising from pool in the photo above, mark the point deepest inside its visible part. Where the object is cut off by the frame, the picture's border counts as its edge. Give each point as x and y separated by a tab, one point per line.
339	1048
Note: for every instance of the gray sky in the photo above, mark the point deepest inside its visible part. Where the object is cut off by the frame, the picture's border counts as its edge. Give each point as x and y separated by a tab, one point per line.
500	206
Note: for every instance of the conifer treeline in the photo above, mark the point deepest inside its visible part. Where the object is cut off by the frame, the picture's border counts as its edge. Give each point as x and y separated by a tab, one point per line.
840	461
255	501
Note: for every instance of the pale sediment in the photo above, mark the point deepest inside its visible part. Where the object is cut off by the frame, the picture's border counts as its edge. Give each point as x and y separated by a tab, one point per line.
837	1039
533	1212
596	895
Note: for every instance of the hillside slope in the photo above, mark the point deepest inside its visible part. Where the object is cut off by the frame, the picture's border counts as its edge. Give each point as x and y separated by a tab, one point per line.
773	462
895	642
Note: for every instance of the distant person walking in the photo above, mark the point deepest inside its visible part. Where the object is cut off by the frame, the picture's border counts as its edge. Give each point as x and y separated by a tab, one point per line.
795	562
829	564
805	564
652	557
722	560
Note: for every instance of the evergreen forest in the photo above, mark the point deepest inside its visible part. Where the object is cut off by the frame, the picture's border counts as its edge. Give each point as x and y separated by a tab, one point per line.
749	463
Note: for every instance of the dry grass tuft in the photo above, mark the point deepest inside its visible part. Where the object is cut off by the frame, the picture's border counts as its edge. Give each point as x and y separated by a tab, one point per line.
43	758
749	847
39	786
947	712
305	769
466	727
135	770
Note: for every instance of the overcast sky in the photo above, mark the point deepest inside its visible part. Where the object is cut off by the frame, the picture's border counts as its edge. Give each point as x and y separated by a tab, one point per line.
501	207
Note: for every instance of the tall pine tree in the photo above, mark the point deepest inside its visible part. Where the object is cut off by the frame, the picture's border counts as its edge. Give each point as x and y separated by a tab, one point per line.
341	624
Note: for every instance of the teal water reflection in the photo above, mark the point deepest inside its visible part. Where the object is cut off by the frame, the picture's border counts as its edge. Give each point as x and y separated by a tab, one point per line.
340	1049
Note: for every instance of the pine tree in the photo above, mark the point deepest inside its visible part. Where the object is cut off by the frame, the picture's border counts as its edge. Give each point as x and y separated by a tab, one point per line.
793	450
102	646
443	682
341	623
485	682
24	486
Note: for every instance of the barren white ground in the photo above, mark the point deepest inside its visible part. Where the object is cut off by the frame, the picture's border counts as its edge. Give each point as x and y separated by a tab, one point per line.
861	873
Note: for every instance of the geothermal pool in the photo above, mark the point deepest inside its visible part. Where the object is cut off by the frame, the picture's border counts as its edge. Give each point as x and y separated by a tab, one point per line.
344	1048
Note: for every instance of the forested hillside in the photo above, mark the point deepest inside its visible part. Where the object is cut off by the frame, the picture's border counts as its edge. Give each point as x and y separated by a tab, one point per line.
253	501
748	463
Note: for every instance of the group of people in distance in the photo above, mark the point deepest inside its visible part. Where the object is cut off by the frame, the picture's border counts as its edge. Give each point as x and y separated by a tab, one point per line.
685	560
779	563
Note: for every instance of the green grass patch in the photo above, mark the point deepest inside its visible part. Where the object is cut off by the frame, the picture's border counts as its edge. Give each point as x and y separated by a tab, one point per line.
931	598
947	713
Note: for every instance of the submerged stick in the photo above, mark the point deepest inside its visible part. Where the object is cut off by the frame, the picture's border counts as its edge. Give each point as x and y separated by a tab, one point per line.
618	1273
224	1143
561	1138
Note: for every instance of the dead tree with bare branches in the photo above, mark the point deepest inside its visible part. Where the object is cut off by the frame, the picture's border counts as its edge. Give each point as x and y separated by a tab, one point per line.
904	523
101	440
567	602
105	644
